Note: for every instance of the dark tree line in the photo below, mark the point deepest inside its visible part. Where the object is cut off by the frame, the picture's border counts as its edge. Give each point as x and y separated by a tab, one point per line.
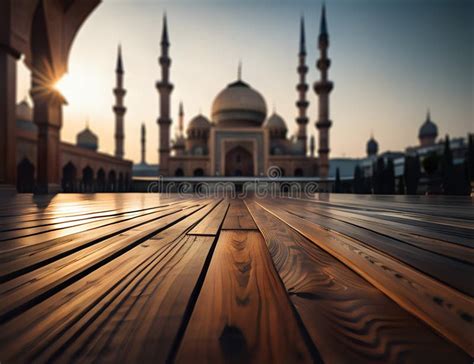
442	175
382	181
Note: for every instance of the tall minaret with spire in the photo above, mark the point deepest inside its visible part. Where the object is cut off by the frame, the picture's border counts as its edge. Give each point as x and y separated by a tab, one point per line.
179	142
180	119
323	88
119	108
143	142
164	88
302	88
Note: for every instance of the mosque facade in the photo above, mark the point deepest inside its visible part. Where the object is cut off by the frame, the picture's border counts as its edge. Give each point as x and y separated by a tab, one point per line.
82	167
241	138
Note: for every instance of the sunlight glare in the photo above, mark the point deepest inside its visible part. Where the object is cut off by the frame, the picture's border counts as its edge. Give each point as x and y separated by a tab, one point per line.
65	86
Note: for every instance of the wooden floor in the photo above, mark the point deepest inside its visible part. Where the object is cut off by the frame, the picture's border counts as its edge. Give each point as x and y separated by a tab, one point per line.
138	278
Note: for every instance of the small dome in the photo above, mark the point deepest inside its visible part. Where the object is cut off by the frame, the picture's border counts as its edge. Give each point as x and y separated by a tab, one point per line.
239	105
87	139
276	122
428	129
24	112
199	122
372	147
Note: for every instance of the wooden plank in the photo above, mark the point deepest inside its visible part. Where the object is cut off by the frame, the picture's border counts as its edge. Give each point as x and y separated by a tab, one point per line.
28	258
161	264
428	262
76	207
56	221
430	225
129	310
238	217
446	310
402	233
25	291
342	310
211	224
242	313
29	240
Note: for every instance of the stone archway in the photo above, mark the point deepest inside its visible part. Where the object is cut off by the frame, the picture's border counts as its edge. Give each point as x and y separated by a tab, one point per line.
69	178
101	183
239	162
198	172
121	182
87	179
25	176
112	181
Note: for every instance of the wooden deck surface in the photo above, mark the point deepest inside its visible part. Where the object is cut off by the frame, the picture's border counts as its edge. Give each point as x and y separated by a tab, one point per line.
147	278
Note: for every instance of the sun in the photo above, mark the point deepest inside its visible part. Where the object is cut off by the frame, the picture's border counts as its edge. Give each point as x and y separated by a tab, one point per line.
65	86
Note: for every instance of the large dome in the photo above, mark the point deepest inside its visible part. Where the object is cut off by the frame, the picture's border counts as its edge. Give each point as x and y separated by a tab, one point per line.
239	105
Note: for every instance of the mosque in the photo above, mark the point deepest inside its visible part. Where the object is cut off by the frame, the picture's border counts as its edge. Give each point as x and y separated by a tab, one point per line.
241	138
82	167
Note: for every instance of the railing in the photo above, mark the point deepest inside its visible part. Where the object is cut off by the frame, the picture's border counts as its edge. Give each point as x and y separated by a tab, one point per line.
236	185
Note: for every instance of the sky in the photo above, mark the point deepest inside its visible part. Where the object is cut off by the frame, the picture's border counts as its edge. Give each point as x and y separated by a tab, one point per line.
391	61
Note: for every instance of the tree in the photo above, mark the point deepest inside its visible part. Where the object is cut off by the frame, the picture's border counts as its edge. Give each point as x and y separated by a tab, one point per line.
358	180
378	176
431	163
431	166
449	186
401	186
337	185
470	159
412	174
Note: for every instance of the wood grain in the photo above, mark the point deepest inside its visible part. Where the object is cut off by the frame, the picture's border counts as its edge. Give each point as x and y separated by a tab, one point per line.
242	313
340	309
421	258
170	262
238	217
211	224
162	278
448	311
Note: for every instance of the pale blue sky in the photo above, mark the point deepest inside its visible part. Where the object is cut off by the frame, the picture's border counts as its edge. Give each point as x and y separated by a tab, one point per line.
391	60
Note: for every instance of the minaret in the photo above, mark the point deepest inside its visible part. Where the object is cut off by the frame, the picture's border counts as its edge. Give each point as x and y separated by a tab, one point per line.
311	146
322	88
119	109
302	88
143	141
180	120
164	88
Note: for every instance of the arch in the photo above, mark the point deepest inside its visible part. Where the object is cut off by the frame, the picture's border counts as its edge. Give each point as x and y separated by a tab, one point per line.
25	176
127	183
198	172
69	178
179	172
100	180
48	57
87	179
121	182
112	181
299	172
239	162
